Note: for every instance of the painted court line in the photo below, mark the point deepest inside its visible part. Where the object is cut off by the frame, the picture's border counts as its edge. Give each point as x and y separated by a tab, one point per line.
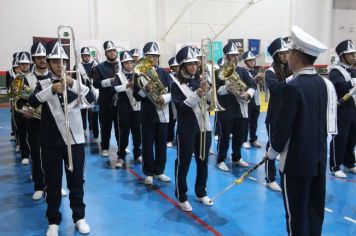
328	210
253	178
190	214
350	219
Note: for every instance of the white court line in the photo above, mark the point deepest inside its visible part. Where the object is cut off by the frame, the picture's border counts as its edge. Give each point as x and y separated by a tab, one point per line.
328	210
252	178
350	219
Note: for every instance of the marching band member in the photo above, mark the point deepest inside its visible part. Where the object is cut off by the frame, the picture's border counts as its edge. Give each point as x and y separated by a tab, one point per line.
187	91
154	121
306	116
342	146
103	79
220	62
232	119
49	94
85	69
10	75
39	72
128	111
135	54
254	105
275	81
19	119
173	66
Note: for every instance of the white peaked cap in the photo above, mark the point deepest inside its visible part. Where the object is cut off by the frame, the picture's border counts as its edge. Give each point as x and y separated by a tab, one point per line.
306	43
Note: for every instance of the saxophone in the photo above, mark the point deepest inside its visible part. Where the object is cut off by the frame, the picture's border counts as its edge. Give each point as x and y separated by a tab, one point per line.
144	69
228	74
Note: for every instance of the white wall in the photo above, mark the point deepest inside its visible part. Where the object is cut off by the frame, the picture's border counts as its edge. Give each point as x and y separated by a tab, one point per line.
131	23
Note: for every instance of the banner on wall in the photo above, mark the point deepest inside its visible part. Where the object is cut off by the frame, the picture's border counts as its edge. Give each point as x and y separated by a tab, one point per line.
239	44
217	48
254	46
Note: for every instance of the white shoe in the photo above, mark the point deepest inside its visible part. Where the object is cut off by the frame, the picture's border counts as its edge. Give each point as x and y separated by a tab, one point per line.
148	180
37	195
274	186
352	170
12	138
241	163
82	226
17	148
205	200
127	151
163	177
231	135
120	163
52	230
222	166
169	144
339	174
139	159
185	206
246	145
256	144
105	153
25	161
216	137
63	192
211	152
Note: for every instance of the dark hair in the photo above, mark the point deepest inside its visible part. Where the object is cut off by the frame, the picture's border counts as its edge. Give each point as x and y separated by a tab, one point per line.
281	70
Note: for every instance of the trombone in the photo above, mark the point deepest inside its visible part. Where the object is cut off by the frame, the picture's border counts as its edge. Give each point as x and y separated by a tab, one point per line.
206	67
80	101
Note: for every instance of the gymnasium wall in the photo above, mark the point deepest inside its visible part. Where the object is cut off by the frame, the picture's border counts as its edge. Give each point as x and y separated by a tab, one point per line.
131	23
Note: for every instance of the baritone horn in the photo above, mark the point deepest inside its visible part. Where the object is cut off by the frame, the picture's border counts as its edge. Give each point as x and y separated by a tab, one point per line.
228	74
207	71
147	75
19	94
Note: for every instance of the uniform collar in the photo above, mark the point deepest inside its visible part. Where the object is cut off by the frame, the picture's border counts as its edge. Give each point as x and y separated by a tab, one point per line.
345	65
36	72
310	70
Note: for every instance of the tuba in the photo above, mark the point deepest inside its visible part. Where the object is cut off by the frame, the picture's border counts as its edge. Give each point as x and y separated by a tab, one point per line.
145	71
228	74
19	93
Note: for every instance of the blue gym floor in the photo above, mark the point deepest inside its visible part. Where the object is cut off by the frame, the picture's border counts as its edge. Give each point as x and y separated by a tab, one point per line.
118	203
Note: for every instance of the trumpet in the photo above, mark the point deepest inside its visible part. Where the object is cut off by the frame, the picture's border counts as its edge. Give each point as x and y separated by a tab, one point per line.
207	52
145	71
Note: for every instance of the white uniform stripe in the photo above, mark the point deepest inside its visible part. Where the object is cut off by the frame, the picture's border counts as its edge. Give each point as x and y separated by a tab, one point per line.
287	205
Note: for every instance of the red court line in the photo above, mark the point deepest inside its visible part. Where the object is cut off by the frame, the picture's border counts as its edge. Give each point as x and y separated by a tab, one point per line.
342	180
4	105
190	214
